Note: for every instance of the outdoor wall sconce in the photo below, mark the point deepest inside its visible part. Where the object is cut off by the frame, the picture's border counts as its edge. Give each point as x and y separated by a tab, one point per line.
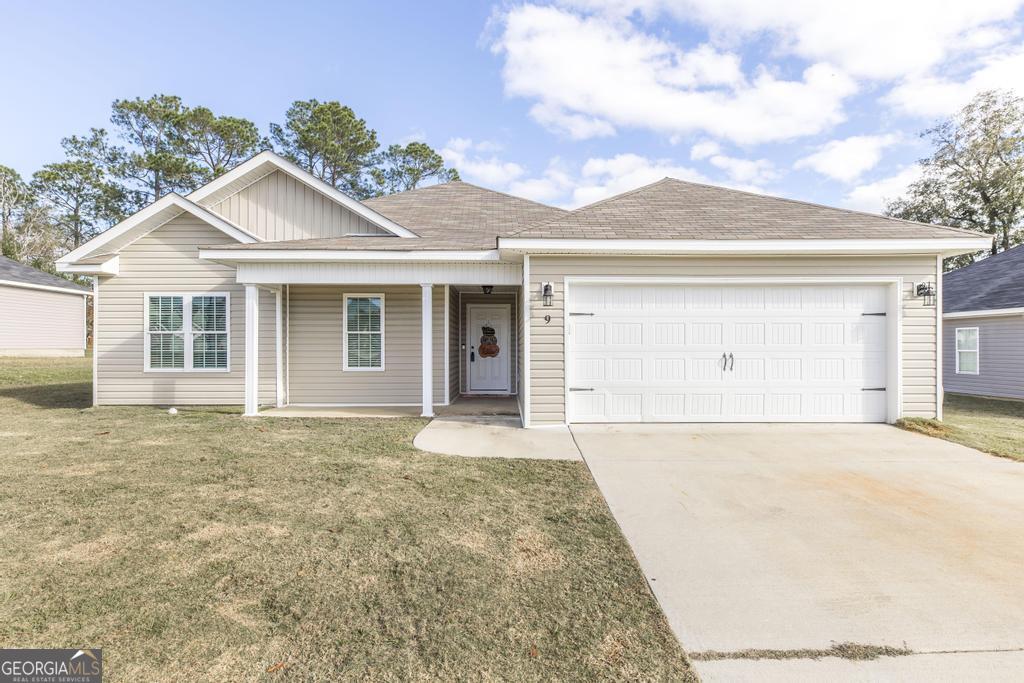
487	288
547	293
926	290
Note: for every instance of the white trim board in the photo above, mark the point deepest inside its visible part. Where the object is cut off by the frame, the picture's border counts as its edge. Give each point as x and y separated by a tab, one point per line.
984	313
328	255
153	212
948	246
45	288
259	164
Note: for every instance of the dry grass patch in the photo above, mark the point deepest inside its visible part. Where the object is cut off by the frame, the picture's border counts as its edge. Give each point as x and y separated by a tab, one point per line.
207	546
994	426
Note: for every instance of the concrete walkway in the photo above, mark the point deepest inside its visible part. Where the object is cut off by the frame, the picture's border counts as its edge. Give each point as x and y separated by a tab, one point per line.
786	537
495	437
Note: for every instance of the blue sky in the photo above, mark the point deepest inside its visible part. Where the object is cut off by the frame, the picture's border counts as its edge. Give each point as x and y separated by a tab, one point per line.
563	102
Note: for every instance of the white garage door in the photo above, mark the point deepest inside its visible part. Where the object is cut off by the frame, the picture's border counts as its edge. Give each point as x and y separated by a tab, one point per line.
688	353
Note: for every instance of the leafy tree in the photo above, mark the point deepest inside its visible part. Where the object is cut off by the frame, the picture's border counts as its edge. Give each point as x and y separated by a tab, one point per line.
331	142
975	176
405	168
82	197
154	163
216	143
15	198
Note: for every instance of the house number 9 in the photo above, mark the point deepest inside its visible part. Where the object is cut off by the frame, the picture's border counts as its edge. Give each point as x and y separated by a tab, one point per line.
547	319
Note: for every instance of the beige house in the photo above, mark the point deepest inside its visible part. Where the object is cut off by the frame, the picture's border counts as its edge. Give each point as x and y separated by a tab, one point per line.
40	314
674	302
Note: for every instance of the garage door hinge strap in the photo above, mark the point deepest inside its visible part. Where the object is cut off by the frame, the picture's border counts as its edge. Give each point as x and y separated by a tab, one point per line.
881	314
581	314
581	388
872	388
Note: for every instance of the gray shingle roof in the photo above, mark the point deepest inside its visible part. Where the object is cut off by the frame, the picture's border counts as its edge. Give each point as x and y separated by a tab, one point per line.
674	209
19	272
449	216
993	282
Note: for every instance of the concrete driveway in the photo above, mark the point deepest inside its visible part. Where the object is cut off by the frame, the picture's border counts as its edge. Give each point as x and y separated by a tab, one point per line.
786	537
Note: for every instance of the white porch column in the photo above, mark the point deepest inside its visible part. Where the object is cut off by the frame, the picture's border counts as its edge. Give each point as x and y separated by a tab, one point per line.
428	349
252	359
279	346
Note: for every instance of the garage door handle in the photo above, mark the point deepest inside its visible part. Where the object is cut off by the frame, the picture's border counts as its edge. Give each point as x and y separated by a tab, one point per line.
725	361
581	388
732	362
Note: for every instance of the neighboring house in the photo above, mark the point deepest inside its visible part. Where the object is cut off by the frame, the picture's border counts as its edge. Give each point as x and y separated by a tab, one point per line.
673	302
40	314
983	308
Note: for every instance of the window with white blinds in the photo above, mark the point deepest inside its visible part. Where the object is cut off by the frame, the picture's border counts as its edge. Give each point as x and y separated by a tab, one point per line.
364	332
187	332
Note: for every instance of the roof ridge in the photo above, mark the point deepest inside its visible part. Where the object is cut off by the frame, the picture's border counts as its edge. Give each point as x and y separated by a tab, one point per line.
540	224
803	202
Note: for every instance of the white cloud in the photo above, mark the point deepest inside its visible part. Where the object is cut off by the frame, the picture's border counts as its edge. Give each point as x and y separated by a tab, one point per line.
705	149
847	159
873	39
593	73
472	163
874	196
930	96
604	177
745	171
550	188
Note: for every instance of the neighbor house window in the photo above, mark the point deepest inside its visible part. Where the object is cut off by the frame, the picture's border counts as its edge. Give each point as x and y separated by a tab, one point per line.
187	332
364	332
967	350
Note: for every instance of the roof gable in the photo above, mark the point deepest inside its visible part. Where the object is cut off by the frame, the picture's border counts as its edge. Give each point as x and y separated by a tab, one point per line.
141	223
675	209
265	163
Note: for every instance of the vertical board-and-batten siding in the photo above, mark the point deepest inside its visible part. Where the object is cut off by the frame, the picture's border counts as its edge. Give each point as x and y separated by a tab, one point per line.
38	322
279	207
167	261
317	374
1000	357
547	372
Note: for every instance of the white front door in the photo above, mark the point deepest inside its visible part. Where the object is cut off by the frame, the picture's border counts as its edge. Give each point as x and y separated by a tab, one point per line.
488	355
690	353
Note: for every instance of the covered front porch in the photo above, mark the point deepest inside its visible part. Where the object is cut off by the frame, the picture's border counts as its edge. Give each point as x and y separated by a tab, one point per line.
374	349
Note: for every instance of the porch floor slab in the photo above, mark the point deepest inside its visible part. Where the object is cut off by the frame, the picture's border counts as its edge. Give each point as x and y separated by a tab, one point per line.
495	436
334	411
480	405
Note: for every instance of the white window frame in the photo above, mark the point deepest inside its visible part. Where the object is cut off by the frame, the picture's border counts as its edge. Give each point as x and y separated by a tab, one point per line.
976	351
344	331
187	331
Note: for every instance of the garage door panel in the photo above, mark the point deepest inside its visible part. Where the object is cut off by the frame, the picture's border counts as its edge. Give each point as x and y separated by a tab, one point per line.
671	353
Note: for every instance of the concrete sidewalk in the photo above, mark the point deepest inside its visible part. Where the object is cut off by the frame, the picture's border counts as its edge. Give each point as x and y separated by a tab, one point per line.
495	437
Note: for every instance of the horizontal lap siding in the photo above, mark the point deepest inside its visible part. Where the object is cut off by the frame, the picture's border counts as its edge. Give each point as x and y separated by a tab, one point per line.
279	207
166	260
454	350
35	320
316	362
1001	346
547	372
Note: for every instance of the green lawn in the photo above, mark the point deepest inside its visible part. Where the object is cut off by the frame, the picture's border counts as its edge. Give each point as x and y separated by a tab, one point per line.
991	425
205	546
